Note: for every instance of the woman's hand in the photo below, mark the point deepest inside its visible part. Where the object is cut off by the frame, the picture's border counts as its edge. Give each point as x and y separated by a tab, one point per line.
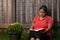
45	31
30	29
49	28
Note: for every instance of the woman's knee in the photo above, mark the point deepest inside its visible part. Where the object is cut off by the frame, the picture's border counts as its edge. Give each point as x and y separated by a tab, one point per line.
37	38
32	38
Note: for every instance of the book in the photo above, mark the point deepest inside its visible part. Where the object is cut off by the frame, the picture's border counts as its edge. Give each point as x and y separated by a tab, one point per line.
39	29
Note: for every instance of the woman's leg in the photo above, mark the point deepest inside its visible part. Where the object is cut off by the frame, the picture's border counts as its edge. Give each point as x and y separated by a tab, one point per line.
32	35
32	38
37	38
45	37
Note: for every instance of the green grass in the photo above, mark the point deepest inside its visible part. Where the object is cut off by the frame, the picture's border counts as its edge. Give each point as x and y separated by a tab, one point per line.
57	35
5	36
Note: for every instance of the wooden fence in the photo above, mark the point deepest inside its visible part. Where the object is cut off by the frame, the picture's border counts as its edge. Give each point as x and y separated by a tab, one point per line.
24	10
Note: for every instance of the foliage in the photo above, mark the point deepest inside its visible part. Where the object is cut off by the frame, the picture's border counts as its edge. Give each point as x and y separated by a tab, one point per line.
15	27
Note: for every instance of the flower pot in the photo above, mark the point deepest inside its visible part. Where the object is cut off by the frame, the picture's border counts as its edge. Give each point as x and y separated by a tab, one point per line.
13	36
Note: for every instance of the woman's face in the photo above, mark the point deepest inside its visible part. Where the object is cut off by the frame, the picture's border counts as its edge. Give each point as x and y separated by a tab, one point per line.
42	12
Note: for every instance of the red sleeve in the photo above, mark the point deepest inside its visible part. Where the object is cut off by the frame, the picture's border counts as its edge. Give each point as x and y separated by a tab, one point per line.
34	20
50	20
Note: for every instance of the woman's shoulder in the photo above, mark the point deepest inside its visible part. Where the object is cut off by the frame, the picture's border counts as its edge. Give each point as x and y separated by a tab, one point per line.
49	17
36	16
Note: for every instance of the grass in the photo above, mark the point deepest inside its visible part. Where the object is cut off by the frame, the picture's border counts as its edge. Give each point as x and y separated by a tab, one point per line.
5	36
57	37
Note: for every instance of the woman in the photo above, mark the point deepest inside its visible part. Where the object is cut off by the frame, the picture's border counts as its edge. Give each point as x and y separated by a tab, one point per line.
41	25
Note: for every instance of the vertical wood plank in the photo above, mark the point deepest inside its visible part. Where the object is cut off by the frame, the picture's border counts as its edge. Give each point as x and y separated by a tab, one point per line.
9	11
58	10
1	11
5	11
52	8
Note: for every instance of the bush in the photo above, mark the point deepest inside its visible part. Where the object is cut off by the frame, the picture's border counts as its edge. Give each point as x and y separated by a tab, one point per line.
15	28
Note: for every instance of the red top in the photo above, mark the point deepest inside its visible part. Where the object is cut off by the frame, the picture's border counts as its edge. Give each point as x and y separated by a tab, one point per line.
37	23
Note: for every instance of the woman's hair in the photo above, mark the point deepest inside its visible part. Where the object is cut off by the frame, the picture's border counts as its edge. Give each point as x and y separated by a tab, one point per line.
44	8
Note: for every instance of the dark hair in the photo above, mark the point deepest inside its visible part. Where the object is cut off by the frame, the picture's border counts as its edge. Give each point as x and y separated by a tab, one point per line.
44	8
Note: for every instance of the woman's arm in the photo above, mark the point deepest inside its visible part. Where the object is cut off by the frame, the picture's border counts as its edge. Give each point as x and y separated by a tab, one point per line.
50	23
31	28
49	27
33	22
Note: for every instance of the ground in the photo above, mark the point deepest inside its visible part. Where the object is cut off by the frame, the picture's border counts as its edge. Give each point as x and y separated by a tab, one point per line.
5	36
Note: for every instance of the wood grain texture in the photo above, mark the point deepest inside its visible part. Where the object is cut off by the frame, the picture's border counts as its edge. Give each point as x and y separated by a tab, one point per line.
24	10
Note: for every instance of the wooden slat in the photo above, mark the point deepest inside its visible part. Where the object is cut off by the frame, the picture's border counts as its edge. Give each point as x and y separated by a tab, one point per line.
3	25
9	11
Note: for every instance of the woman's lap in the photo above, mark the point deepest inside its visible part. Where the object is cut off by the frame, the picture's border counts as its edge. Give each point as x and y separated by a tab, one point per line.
42	36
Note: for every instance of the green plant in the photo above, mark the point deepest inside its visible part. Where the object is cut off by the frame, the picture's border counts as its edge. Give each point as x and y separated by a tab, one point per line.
58	24
25	35
15	28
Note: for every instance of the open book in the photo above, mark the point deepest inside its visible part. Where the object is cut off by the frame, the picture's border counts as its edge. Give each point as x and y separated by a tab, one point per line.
37	29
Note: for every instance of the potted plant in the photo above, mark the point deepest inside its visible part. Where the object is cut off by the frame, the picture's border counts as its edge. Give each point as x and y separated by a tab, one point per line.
15	31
